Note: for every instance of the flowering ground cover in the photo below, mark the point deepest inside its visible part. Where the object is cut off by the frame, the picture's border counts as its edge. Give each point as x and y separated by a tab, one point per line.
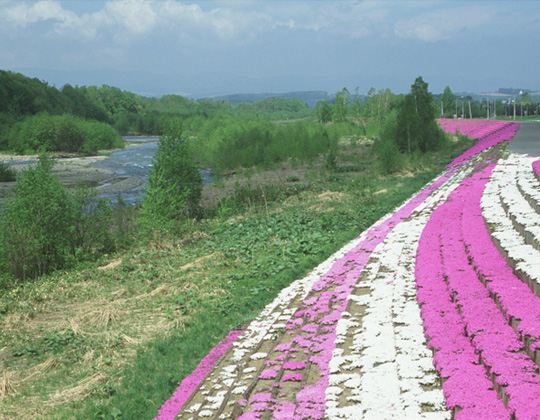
484	297
536	168
510	207
421	317
488	133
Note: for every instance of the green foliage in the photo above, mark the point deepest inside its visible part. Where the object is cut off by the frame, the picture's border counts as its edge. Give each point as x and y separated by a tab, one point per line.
341	107
417	127
380	104
390	159
448	102
35	226
62	133
174	182
7	174
323	111
90	222
224	143
43	227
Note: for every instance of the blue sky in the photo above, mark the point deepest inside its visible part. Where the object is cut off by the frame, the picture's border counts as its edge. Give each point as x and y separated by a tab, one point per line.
204	48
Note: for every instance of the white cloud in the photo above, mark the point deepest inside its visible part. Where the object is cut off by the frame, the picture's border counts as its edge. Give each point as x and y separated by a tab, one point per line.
24	13
129	19
136	16
443	24
225	23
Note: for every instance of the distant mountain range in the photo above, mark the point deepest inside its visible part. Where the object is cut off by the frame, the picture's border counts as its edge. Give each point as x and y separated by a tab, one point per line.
219	86
309	97
205	85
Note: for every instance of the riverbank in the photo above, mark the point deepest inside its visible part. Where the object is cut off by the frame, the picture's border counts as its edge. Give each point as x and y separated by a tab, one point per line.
75	171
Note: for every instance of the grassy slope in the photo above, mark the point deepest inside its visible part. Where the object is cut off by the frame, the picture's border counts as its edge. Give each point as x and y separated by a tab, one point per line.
115	342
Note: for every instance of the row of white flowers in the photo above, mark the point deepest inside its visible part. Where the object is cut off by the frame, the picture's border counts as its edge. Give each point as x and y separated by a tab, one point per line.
504	208
387	372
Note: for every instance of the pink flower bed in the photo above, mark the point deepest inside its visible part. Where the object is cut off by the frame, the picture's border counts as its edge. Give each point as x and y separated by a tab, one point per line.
536	169
170	409
475	346
488	133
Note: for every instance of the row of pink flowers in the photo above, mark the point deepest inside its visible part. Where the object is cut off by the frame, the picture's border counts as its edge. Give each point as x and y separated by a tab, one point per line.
536	168
455	357
488	133
171	407
475	129
454	300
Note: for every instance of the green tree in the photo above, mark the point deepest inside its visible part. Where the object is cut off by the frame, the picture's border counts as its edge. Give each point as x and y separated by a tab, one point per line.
380	103
417	127
448	103
174	182
341	106
323	111
35	226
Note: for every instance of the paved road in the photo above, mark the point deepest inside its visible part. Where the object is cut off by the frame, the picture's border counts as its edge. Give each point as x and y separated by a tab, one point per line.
527	139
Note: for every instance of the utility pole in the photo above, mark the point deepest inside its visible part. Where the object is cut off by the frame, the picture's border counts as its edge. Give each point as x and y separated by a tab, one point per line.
487	107
470	112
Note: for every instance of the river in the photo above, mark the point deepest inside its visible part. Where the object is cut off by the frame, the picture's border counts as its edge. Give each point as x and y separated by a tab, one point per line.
136	161
129	163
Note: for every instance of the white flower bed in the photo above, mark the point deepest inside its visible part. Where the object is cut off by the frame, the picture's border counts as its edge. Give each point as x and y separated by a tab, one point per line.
385	373
502	188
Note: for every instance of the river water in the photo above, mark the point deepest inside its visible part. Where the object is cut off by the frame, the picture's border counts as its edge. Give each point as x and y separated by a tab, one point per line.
136	162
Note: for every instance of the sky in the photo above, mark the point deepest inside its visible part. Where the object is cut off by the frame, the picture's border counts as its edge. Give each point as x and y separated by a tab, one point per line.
208	48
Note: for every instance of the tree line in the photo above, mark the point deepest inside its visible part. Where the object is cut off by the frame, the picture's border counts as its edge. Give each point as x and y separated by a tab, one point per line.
128	113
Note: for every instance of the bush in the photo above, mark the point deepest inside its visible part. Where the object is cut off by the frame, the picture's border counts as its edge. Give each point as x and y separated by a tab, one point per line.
43	227
174	182
224	143
390	159
35	226
62	133
7	174
90	222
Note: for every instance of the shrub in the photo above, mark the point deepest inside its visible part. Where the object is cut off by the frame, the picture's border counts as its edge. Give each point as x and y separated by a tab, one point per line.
90	222
7	174
390	159
174	182
62	133
35	225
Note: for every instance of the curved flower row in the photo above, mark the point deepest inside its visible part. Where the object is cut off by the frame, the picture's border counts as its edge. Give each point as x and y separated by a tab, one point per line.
477	301
455	357
536	168
475	129
288	351
514	224
528	182
488	133
313	331
347	341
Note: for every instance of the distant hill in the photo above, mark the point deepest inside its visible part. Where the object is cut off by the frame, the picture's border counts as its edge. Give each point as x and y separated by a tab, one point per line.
310	98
